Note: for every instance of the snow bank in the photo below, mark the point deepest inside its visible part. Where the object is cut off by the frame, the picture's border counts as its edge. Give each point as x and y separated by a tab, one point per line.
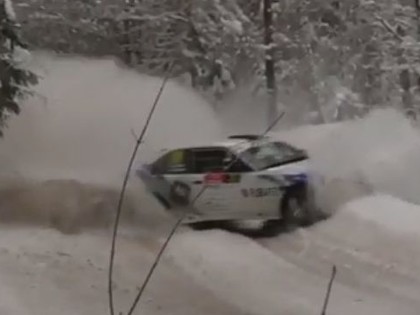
378	230
259	281
234	267
46	273
390	213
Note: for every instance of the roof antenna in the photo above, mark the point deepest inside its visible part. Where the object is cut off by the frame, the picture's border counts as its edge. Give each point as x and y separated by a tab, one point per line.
274	123
259	136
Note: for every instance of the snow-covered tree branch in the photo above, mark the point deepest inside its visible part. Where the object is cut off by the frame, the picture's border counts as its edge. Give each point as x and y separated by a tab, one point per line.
15	80
363	46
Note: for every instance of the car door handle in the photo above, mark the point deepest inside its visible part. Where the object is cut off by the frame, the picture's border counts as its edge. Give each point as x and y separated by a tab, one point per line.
197	182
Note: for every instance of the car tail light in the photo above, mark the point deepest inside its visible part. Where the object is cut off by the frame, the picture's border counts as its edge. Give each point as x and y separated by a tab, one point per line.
221	178
215	178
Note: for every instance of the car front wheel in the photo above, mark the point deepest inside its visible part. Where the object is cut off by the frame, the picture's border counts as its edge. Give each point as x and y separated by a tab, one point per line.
295	208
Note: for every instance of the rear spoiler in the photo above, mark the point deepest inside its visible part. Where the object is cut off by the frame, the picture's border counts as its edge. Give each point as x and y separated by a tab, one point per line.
246	137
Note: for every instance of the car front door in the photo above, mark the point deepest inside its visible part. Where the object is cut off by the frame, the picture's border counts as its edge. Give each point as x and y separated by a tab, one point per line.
252	196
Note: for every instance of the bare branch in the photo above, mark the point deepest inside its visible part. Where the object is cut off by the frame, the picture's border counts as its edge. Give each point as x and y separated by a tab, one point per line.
274	123
327	296
388	27
155	264
122	193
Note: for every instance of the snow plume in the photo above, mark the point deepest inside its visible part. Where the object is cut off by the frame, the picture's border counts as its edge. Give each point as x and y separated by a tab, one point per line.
380	152
81	123
76	135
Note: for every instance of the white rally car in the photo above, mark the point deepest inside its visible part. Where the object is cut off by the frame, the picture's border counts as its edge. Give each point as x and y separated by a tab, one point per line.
245	177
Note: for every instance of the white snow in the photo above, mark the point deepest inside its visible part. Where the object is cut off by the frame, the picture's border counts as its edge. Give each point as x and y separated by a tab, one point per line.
233	26
10	11
259	281
389	213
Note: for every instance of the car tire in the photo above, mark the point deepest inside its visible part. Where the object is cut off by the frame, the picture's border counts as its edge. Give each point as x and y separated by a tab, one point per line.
295	209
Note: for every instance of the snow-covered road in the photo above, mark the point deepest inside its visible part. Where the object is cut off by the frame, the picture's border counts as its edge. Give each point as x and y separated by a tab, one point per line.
215	272
371	189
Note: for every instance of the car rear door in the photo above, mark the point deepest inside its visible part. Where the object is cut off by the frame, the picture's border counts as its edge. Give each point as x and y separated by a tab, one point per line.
188	179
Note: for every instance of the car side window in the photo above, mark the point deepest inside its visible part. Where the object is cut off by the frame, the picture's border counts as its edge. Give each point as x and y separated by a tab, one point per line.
173	162
206	160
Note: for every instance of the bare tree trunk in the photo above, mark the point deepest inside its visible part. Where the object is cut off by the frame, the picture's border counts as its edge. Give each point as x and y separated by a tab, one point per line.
128	24
270	73
406	75
417	76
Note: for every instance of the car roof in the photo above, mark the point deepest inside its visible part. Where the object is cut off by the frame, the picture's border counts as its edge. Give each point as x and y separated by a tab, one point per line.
235	143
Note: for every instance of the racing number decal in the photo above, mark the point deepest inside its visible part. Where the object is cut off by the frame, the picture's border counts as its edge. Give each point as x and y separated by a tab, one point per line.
261	192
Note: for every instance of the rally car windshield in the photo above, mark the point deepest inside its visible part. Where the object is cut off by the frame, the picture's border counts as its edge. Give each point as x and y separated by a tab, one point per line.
272	154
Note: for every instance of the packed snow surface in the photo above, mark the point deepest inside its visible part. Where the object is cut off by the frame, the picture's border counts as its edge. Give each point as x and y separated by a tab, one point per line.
62	162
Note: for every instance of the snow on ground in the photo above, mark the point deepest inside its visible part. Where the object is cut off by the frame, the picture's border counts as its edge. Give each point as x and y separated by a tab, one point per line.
84	133
44	272
389	212
275	279
376	260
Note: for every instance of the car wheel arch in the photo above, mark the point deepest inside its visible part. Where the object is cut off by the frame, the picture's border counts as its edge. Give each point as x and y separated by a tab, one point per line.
297	190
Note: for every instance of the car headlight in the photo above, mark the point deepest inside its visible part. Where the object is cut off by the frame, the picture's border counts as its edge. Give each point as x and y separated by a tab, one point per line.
296	178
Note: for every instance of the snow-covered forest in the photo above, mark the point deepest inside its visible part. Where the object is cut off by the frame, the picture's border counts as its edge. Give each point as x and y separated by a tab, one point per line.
329	55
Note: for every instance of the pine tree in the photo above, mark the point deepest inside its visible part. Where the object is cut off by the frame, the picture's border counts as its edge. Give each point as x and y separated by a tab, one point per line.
16	81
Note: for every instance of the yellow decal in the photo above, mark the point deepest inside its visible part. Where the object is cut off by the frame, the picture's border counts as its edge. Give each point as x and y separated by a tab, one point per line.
177	157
